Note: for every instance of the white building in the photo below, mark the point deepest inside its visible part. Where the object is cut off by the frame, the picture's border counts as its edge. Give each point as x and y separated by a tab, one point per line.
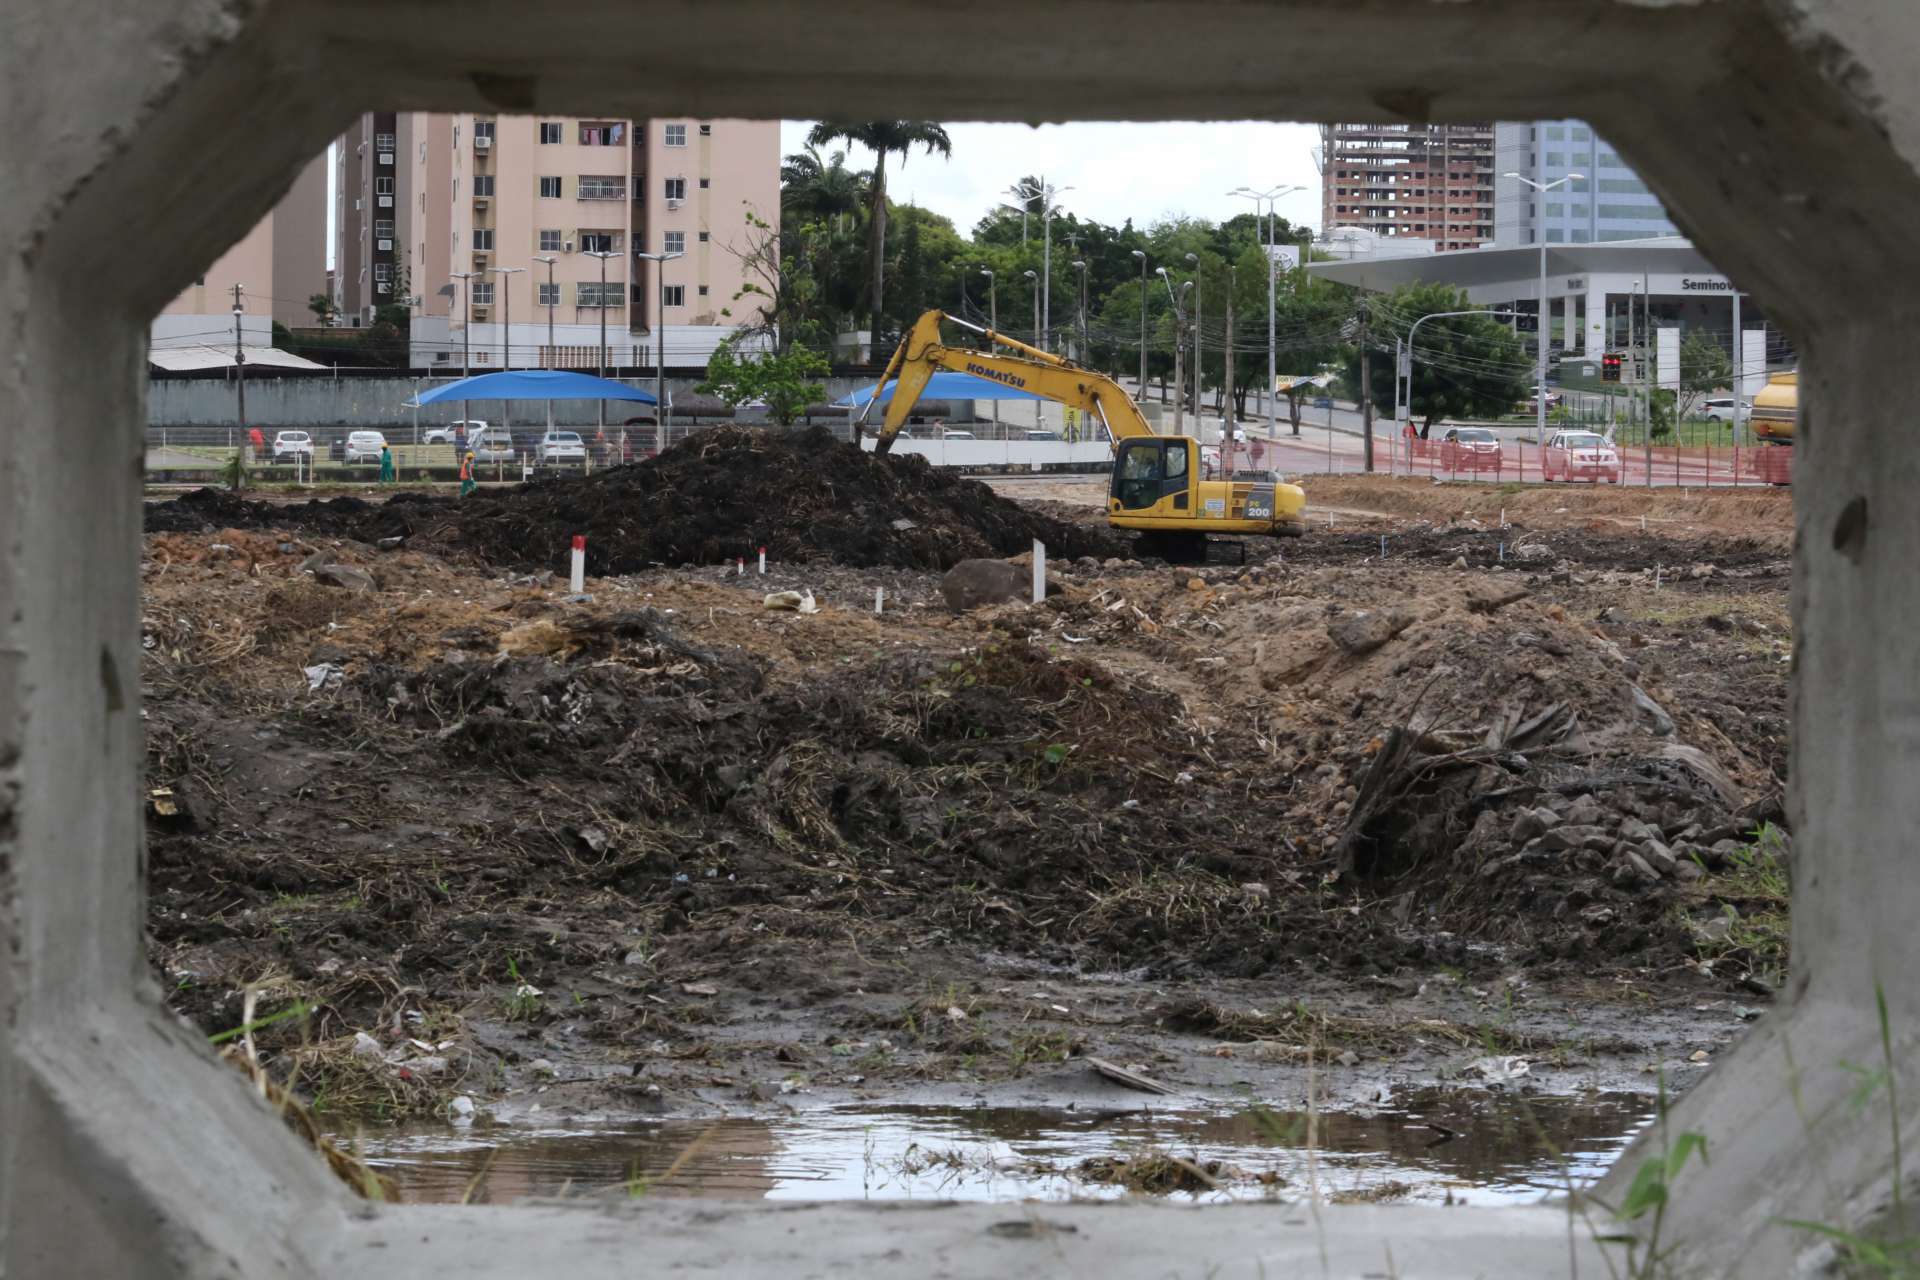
1607	202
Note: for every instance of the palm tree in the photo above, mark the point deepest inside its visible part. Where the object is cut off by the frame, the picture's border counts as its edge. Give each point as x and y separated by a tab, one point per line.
882	137
821	189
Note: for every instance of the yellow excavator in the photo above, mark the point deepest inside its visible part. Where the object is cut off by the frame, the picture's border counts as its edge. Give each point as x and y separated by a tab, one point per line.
1156	486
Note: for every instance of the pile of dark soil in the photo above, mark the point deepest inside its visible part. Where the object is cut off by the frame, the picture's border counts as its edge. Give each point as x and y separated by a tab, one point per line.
804	496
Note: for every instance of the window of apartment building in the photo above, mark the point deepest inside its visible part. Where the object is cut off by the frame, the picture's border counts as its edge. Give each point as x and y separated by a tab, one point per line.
1579	236
383	271
1607	160
674	242
602	187
1556	236
1556	133
589	294
1556	211
549	241
383	142
1555	159
705	236
602	135
482	292
599	242
383	186
550	132
1582	135
705	183
703	291
676	188
550	188
706	131
482	184
1636	212
383	228
549	295
676	295
1623	187
676	135
483	239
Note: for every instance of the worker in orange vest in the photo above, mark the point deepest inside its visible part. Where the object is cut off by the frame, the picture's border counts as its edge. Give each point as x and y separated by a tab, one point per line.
467	485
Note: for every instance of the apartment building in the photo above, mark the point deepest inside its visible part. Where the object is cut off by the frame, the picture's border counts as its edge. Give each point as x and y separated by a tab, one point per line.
1607	202
279	265
1422	181
535	221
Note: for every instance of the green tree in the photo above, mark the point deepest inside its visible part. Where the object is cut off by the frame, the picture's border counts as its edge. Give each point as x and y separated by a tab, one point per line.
1463	366
1705	367
883	138
784	381
322	307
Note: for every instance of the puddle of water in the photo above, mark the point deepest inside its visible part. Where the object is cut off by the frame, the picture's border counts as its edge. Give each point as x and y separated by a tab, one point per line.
1503	1149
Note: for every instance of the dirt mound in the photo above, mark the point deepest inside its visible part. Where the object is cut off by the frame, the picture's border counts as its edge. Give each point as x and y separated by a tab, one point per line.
804	496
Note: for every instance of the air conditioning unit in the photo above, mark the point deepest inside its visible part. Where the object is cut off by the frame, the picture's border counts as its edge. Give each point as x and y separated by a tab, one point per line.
567	247
674	202
385	246
386	158
386	202
480	202
481	142
480	257
383	287
480	315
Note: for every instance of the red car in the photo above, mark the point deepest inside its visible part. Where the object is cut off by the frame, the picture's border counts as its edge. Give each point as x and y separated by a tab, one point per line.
1470	449
1580	455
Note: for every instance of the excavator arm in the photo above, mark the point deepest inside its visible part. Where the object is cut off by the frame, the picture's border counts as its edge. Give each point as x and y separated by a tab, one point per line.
922	354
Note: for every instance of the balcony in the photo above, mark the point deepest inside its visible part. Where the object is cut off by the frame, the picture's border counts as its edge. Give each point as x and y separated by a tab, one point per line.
602	189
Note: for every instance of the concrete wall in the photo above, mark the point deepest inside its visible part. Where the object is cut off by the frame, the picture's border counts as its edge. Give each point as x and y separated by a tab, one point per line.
125	1150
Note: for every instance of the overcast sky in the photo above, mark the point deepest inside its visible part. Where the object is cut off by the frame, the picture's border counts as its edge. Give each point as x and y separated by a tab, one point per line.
1117	171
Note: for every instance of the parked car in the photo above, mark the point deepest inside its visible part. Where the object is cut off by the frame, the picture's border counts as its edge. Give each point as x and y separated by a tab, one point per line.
1043	435
363	446
444	435
1470	449
491	444
1323	402
287	444
1580	455
1720	409
560	447
951	434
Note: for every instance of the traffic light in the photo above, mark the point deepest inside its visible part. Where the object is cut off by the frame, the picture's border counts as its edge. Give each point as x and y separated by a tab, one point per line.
1610	367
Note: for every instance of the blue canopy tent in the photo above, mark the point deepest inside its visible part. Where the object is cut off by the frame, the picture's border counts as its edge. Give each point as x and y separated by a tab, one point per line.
944	385
533	384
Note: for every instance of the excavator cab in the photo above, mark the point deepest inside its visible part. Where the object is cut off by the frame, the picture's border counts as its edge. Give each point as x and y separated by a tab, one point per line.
1151	472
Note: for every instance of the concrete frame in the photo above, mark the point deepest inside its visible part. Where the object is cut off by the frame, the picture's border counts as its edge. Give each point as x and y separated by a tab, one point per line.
1783	134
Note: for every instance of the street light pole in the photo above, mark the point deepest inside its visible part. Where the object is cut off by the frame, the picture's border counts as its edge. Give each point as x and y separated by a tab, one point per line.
1179	351
1080	266
603	255
506	344
1197	304
553	353
1039	419
660	261
466	328
1272	199
1540	394
1140	254
993	323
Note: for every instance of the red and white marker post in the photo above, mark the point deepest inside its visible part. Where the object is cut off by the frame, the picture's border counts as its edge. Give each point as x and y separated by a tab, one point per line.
578	580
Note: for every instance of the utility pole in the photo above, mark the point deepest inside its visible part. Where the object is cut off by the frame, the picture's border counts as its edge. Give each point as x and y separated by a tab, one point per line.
1143	321
1179	351
1080	330
1038	341
993	323
239	365
1226	380
660	261
1366	389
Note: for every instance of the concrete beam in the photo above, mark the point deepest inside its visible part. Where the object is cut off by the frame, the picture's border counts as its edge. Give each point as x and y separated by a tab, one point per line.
1784	135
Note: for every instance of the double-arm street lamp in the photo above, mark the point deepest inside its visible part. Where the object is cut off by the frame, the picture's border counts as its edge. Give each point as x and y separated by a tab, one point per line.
1540	230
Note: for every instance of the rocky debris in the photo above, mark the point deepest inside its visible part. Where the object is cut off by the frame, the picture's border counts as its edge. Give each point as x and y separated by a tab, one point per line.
346	576
1656	715
974	583
1584	811
1362	633
1529	823
1490	599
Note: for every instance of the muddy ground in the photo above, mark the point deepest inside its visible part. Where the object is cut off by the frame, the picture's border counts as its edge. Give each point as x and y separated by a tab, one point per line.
1321	817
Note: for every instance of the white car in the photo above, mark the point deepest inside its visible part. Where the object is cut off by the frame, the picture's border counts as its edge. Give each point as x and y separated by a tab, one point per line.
444	435
491	444
364	446
561	446
288	444
952	434
1720	409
